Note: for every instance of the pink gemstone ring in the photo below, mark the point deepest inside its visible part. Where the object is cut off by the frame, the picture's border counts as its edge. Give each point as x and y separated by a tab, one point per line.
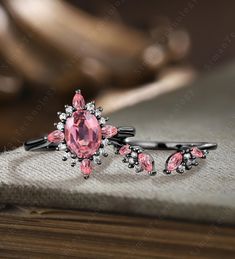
83	134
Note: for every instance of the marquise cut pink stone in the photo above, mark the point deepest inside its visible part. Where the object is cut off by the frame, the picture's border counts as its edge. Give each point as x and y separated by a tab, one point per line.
83	134
146	162
125	150
174	161
109	131
56	136
196	152
86	167
78	101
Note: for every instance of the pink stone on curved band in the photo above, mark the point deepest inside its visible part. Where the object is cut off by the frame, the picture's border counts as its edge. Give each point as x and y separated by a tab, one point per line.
184	160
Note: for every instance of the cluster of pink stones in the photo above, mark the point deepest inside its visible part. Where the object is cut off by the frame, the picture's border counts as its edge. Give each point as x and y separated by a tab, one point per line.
82	133
177	159
145	160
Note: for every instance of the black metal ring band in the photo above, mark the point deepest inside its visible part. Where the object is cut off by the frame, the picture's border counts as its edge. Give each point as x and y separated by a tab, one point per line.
161	145
123	137
42	143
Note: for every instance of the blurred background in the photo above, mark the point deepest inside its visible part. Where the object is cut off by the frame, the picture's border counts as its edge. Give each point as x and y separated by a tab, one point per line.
119	52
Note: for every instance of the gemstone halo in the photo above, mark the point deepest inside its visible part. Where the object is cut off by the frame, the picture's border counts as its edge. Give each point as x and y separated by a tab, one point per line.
82	133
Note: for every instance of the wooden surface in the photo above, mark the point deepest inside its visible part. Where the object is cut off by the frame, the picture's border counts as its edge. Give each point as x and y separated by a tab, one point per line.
39	233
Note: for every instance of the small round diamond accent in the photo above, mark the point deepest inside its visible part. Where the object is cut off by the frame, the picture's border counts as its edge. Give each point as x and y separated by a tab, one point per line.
69	109
60	126
62	116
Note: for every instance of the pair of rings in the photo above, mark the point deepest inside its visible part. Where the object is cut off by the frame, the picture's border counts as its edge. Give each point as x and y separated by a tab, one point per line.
83	133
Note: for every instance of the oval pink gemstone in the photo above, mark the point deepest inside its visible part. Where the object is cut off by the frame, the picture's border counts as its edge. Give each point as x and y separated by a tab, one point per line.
174	161
78	101
56	136
146	162
109	131
86	167
125	150
196	152
83	134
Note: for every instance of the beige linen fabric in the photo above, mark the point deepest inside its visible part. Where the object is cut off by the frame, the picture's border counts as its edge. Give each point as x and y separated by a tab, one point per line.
201	112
